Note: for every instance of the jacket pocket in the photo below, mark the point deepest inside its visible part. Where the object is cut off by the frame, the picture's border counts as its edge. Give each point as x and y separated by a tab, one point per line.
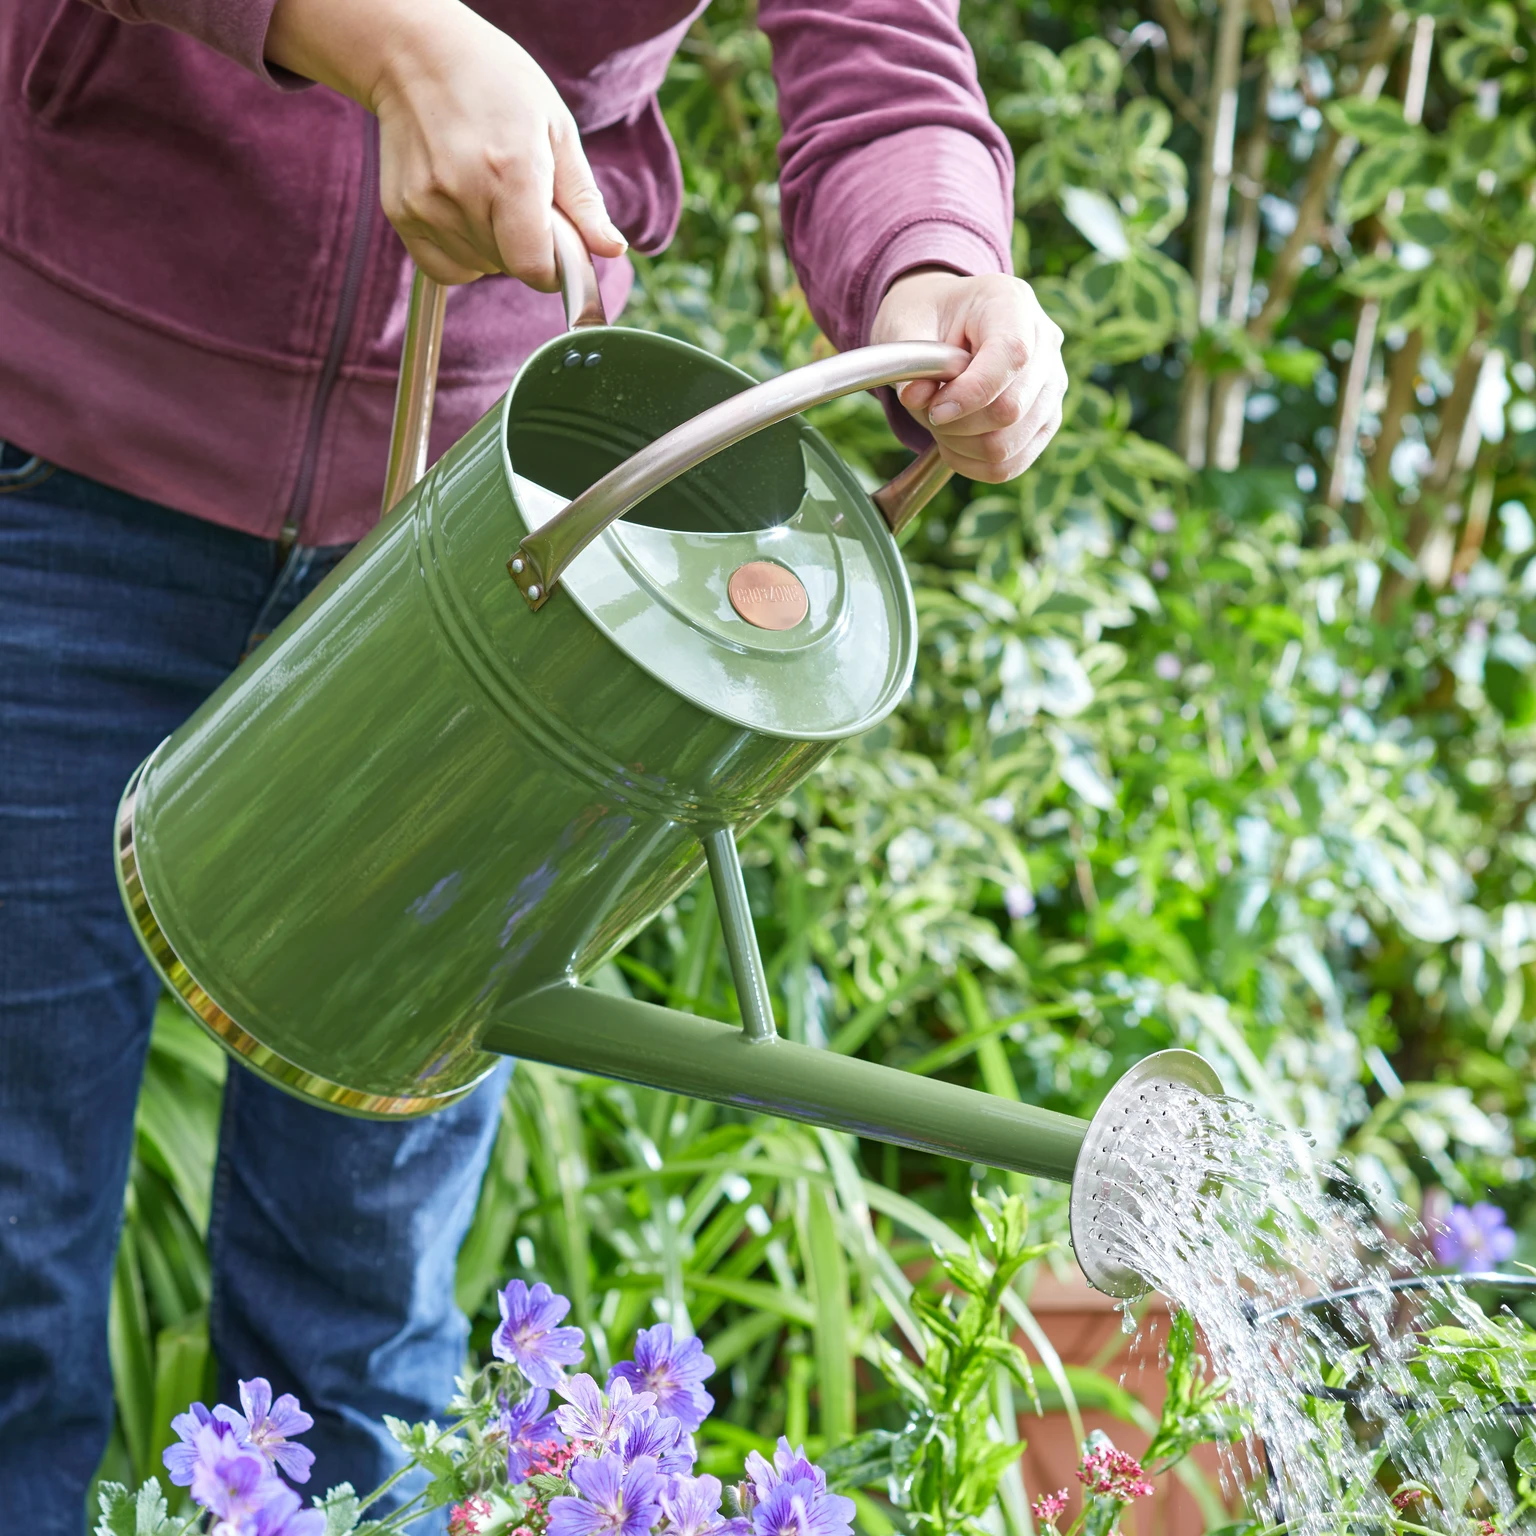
69	54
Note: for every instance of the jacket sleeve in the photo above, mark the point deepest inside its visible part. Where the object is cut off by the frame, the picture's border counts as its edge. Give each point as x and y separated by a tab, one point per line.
235	28
888	159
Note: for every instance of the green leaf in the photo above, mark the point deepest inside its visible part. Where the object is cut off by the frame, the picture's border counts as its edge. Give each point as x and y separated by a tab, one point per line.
117	1512
1487	276
1147	460
1369	121
1449	313
1374	173
1467	61
1376	276
1425	227
1145	123
132	1514
132	1355
1490	21
341	1508
1040	72
1460	1477
1037	177
1292	365
1144	296
1092	67
181	1375
826	1269
865	1461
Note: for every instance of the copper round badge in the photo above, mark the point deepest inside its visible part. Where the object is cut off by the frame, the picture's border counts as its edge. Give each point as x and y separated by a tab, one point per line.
767	595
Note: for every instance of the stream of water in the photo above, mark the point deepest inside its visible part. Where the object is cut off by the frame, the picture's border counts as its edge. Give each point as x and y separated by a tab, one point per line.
1346	1403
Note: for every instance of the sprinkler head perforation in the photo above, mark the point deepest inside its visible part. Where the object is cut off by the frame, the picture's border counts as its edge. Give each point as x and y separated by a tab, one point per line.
1108	1176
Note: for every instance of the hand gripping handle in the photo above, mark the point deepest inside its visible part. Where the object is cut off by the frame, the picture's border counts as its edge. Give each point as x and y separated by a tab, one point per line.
423	347
543	556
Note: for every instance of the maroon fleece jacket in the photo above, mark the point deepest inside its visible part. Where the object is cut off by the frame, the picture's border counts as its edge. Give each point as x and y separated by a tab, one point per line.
201	302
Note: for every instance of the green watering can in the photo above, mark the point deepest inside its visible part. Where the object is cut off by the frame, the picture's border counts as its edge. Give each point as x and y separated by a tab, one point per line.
510	727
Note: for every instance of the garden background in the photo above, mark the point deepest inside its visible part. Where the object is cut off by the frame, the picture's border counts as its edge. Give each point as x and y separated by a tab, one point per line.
1222	735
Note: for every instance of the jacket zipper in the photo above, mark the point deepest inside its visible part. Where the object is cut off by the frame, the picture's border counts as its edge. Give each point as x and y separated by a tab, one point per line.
346	313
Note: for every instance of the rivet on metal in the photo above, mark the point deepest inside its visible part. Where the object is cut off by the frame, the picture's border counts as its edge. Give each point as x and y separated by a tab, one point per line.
593	359
517	566
535	592
572	359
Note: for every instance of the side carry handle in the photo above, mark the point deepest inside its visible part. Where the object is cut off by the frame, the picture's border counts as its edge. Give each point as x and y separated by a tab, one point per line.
544	554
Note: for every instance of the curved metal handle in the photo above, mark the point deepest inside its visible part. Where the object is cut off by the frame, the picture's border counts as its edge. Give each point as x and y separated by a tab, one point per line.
543	556
422	351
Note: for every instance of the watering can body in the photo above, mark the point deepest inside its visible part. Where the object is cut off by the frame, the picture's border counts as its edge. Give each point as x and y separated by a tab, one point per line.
421	799
514	724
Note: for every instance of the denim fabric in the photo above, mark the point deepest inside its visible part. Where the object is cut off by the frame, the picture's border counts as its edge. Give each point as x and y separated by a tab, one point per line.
333	1241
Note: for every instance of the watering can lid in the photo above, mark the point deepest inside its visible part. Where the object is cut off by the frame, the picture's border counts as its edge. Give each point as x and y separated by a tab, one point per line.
804	629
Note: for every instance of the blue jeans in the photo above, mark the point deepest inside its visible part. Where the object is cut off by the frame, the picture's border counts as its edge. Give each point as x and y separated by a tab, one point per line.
333	1241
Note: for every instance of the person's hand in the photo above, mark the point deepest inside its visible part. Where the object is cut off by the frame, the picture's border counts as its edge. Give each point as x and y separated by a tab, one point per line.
993	421
475	144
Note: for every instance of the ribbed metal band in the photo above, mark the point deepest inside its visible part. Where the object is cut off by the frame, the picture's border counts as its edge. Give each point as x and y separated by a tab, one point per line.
237	1040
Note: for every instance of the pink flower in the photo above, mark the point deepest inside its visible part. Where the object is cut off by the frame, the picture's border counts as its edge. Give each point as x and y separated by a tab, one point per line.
1404	1497
1113	1474
468	1518
1049	1505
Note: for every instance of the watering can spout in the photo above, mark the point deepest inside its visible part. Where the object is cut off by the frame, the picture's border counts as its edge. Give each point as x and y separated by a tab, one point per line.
636	1042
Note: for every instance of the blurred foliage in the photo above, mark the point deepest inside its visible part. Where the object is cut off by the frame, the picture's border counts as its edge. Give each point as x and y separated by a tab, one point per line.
1222	728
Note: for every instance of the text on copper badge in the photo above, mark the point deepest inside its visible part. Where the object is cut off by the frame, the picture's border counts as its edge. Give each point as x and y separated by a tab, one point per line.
767	595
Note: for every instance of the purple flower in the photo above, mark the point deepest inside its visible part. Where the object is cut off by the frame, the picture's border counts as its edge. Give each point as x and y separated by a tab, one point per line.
801	1507
1473	1238
283	1515
787	1466
268	1427
692	1508
612	1502
529	1337
529	1428
181	1461
663	1440
229	1479
590	1416
674	1369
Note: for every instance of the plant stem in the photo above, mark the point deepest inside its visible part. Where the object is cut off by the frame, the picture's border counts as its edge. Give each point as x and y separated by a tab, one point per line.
1330	157
1479	505
1211	219
1230	396
1402	376
1450	457
394	1477
1415	88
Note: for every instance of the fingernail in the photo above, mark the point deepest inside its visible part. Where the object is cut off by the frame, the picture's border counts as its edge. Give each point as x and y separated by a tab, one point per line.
615	233
942	413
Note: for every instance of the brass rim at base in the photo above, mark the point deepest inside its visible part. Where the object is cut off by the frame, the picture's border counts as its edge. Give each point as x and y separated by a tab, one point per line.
239	1042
